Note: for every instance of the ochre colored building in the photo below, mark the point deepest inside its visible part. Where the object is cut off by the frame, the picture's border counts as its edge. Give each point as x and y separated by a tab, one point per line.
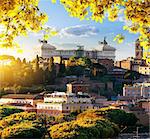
107	63
76	87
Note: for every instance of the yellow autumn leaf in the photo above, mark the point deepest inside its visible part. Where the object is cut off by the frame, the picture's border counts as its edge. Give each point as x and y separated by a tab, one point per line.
46	37
119	38
20	51
54	33
53	1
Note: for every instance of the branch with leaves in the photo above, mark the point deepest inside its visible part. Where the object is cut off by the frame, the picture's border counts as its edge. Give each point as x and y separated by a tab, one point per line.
137	12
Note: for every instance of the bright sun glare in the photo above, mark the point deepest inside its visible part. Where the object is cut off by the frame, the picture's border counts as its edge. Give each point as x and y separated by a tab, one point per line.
5	62
16	52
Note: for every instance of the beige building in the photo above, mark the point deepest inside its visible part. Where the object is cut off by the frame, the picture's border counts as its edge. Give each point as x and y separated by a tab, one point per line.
26	102
17	98
130	63
61	102
144	70
76	87
138	90
136	63
145	104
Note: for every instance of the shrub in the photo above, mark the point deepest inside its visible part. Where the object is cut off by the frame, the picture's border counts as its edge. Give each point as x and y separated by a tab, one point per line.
85	128
22	130
8	110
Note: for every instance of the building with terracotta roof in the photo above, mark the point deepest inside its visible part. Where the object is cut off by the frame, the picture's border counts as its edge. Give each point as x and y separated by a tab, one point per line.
25	107
138	90
61	102
78	87
20	99
136	63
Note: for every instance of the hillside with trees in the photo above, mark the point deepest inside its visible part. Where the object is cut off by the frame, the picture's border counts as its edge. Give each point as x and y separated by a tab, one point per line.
102	123
22	73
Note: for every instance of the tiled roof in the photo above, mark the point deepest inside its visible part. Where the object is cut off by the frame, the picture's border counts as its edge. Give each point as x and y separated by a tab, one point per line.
20	104
19	96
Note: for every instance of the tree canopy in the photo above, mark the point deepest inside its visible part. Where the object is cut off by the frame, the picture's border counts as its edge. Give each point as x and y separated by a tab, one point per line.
7	110
101	123
23	130
24	125
122	118
18	17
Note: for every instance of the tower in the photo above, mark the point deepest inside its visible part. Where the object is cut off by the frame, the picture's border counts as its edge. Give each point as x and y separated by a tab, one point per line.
138	50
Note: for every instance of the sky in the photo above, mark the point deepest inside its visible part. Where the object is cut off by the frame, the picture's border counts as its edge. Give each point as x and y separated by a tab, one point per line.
73	32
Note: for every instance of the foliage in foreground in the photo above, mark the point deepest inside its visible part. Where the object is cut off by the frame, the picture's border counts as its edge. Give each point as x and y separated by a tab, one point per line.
23	130
85	128
122	118
102	123
23	124
7	110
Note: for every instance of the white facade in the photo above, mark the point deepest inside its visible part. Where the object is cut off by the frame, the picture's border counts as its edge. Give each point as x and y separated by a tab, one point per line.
62	97
11	100
104	51
63	107
49	106
61	102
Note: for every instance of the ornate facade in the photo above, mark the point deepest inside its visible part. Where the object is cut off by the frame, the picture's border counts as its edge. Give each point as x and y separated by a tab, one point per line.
105	51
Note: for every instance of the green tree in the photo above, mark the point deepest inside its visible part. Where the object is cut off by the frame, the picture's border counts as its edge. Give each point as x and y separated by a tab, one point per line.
37	63
39	77
122	118
24	61
84	129
62	68
51	64
132	75
98	70
75	70
72	58
8	110
22	130
52	70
